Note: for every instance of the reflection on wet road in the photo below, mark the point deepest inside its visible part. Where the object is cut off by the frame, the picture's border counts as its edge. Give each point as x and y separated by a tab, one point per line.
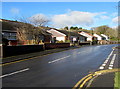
61	69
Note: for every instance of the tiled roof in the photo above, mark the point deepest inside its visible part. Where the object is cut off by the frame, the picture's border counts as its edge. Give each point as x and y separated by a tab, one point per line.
86	33
71	33
56	33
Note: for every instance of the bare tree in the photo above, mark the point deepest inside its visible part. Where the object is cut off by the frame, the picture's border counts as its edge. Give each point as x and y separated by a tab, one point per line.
36	20
26	30
39	20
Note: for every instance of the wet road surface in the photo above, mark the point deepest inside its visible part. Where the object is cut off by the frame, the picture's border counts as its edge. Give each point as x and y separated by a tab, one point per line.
63	69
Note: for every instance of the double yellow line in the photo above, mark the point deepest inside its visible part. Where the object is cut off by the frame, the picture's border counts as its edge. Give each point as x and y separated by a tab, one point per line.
85	79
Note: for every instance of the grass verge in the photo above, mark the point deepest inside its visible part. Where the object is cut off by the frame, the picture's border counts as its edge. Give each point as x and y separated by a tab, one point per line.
117	80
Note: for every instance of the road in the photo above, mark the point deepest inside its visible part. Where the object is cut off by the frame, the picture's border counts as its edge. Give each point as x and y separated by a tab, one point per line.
63	69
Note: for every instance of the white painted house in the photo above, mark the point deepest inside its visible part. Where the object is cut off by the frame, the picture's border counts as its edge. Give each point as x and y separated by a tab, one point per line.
105	36
98	36
63	35
88	35
57	35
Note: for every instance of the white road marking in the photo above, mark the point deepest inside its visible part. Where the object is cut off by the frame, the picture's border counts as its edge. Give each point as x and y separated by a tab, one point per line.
103	64
101	67
112	62
59	59
14	73
106	61
111	53
110	67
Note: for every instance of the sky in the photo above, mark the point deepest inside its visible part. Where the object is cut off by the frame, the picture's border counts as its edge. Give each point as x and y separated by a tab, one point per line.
61	14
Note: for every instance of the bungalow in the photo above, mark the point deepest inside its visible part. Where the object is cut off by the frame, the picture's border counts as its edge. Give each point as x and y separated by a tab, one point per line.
88	35
63	35
105	36
56	35
99	37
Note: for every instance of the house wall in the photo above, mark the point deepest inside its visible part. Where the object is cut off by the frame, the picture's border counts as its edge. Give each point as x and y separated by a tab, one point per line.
9	35
60	38
89	38
57	35
106	37
98	37
82	39
73	38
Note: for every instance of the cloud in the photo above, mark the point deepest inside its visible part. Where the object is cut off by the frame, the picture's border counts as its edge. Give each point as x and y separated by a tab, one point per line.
114	14
114	27
115	20
104	17
71	18
75	18
14	11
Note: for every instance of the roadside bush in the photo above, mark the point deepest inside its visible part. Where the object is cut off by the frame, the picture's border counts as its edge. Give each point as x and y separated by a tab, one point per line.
60	41
67	41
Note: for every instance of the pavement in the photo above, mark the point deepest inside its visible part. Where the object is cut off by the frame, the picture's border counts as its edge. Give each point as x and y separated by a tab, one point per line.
61	69
104	81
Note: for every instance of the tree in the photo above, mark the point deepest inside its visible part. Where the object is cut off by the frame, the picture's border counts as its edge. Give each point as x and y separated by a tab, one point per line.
36	20
39	20
66	28
101	29
74	28
24	31
36	34
80	27
28	30
112	33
